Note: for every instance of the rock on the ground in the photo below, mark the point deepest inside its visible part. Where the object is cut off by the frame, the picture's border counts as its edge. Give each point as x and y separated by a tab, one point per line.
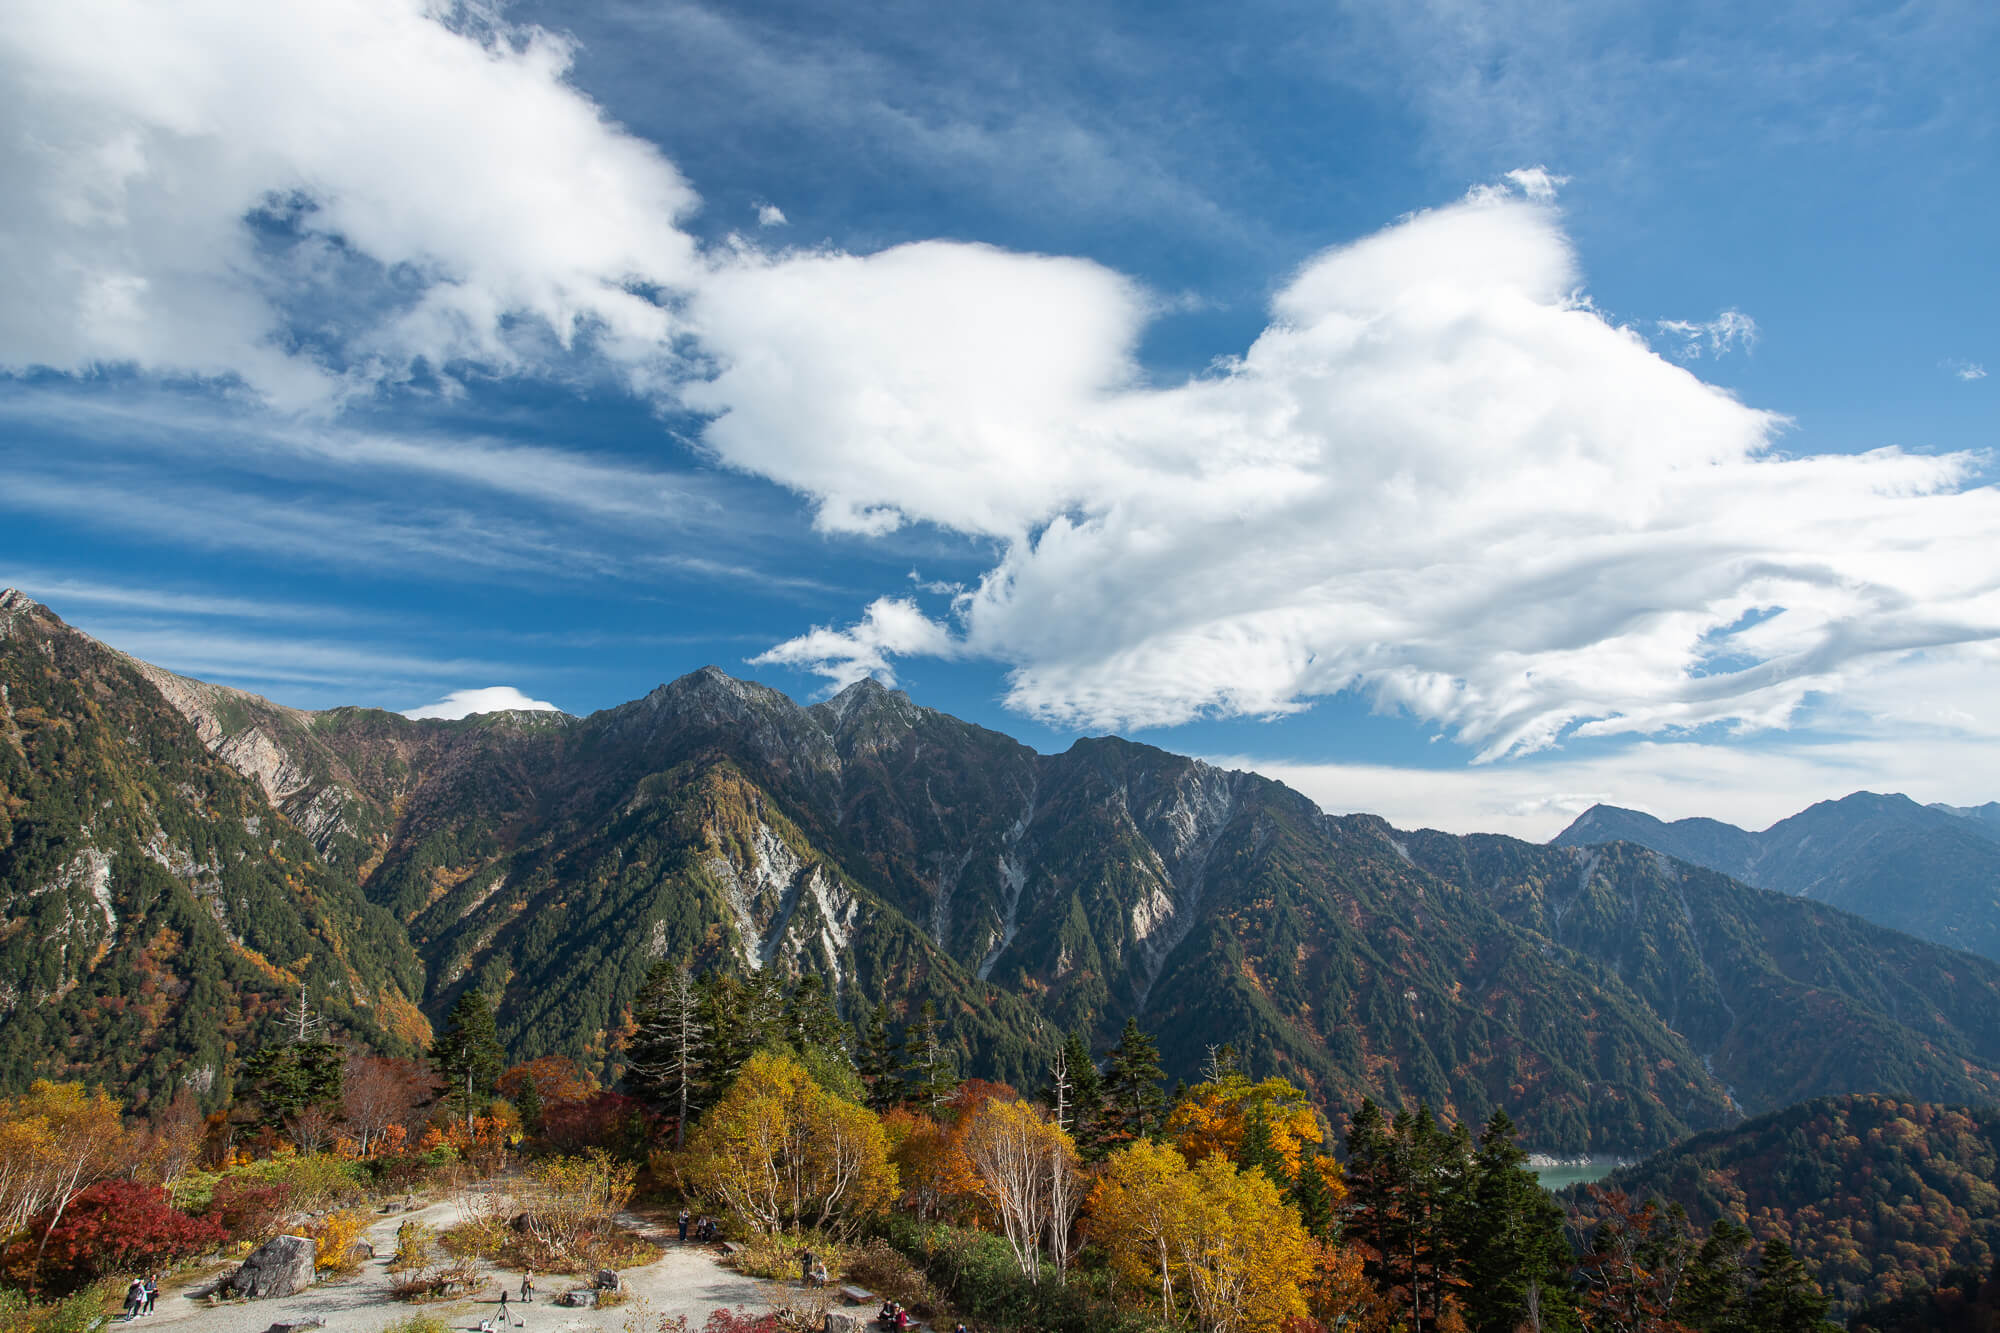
360	1250
279	1267
846	1321
607	1280
295	1325
584	1298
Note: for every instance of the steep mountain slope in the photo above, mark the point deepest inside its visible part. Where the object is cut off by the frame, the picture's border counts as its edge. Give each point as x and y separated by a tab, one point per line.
1879	1196
1933	872
1784	999
1610	1001
157	912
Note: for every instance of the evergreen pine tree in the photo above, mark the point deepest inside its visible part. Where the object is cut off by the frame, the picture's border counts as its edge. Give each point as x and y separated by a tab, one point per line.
1515	1258
927	1072
467	1055
876	1059
667	1056
529	1104
1715	1297
1784	1297
1134	1102
724	1017
1314	1199
810	1023
1258	1152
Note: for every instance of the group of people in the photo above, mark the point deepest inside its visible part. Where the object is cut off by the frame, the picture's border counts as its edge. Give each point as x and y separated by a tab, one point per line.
139	1297
893	1315
704	1228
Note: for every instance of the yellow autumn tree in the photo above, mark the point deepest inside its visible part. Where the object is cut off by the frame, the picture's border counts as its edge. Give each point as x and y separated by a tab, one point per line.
781	1152
1214	1117
56	1140
1028	1172
1218	1245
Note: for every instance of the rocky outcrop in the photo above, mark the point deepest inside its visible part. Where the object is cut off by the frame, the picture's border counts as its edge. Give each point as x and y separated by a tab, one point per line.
283	1266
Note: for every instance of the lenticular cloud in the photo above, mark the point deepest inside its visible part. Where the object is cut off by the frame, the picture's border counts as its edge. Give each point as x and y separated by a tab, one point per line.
1439	477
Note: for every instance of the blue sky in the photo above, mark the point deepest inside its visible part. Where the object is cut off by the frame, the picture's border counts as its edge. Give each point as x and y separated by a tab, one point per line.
1460	411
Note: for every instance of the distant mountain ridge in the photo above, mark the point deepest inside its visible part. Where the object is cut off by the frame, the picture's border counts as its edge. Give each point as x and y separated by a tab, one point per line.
1610	1000
1932	871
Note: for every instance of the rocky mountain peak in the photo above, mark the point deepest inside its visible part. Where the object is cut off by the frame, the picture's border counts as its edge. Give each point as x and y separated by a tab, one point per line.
867	702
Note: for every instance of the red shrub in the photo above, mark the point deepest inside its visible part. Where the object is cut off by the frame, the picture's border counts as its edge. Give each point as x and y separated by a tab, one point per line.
117	1227
726	1320
250	1209
608	1120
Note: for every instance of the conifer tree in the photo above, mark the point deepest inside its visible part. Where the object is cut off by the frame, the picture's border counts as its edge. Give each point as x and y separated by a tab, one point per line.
467	1055
303	1070
876	1059
1314	1198
529	1103
1784	1298
1515	1257
1716	1293
927	1071
1134	1101
810	1022
667	1055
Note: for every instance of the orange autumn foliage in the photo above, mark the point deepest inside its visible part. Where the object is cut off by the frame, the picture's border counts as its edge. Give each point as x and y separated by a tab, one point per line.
557	1079
1213	1118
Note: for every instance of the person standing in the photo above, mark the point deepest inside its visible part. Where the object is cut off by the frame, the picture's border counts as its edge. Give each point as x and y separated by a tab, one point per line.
152	1291
684	1226
135	1298
527	1287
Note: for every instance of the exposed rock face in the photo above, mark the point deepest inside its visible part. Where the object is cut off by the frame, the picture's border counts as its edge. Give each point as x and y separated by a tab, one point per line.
283	1266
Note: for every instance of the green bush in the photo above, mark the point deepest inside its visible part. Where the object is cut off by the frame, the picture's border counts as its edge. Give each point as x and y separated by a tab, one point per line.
977	1273
80	1312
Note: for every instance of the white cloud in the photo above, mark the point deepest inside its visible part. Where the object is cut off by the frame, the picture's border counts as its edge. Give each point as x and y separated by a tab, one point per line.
1715	337
1537	183
1439	477
892	626
442	185
1966	370
770	215
1922	725
490	699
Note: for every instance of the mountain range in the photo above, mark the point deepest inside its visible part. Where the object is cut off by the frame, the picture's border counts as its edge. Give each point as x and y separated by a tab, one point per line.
1930	870
177	858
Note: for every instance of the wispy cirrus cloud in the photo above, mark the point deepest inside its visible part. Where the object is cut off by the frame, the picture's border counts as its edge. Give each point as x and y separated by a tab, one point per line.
1966	370
1716	337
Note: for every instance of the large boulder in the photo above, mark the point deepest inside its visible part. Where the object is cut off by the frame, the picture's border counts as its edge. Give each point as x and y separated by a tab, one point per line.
608	1280
849	1321
279	1267
582	1298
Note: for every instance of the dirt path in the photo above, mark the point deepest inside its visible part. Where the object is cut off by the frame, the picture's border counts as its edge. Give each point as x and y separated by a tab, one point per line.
686	1280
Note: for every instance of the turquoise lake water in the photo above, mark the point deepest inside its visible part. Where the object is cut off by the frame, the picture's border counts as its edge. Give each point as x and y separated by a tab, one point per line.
1583	1173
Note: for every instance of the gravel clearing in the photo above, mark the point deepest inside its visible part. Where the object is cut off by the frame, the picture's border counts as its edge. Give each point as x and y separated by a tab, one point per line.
686	1280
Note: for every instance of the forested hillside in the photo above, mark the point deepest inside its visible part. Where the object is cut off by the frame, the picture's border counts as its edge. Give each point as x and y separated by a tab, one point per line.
1878	1196
158	913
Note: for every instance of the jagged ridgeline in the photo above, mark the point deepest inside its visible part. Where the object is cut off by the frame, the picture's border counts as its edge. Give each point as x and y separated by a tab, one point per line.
1609	999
